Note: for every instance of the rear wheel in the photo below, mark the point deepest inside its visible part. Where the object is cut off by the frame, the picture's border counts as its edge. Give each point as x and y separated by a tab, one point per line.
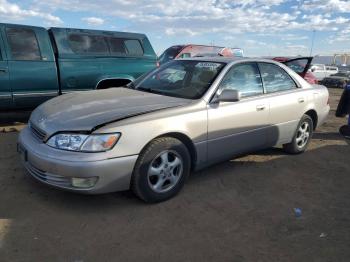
302	136
161	170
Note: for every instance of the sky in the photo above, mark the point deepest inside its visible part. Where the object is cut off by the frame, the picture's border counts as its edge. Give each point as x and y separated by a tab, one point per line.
259	27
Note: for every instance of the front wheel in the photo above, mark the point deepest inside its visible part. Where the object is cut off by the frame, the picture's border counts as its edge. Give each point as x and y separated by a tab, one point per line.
161	170
302	136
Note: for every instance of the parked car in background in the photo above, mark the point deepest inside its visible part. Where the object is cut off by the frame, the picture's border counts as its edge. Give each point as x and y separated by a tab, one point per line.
183	116
186	51
338	80
37	64
299	65
321	71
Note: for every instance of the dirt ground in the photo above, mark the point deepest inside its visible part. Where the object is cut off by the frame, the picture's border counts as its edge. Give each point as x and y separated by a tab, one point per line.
240	210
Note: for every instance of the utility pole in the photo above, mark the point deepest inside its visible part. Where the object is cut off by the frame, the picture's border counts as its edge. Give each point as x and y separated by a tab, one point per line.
312	41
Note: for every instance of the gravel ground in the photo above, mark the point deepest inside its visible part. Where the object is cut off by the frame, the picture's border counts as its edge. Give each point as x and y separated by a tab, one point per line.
240	210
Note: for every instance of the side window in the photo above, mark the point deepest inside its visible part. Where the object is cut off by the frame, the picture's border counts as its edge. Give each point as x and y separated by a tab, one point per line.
120	46
245	78
134	47
116	46
23	44
88	44
275	78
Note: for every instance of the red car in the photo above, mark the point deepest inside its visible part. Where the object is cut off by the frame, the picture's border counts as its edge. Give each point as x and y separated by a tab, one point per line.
300	65
184	51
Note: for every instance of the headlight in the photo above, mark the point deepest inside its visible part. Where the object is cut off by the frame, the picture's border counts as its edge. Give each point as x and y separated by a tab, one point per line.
84	143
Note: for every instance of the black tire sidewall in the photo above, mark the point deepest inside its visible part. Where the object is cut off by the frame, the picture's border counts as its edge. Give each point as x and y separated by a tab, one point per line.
140	179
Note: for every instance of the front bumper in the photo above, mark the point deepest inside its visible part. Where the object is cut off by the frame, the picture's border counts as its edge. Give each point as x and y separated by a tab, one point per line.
47	165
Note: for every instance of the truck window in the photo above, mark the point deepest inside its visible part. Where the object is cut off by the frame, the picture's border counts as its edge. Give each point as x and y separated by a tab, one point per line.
119	46
88	44
134	47
23	44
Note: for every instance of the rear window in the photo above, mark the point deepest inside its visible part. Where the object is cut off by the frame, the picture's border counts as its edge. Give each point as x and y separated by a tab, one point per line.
93	44
23	44
88	44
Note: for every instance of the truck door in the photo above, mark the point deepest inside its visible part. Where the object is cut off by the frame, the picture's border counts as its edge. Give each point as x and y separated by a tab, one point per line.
5	92
31	62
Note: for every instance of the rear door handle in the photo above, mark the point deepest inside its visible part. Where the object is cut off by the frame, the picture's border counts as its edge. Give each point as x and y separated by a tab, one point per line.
260	107
301	100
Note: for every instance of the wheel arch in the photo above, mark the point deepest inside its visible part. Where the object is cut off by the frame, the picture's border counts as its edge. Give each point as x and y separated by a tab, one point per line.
187	142
313	114
113	81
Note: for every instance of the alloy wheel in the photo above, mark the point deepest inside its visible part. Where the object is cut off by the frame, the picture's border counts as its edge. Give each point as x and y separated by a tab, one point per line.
165	171
303	134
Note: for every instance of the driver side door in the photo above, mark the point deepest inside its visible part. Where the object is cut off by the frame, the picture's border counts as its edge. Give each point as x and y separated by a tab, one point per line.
242	126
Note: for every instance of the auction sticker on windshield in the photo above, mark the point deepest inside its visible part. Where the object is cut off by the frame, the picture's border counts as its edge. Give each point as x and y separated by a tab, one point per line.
208	65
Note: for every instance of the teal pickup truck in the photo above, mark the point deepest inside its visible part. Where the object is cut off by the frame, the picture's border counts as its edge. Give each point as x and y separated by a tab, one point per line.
37	64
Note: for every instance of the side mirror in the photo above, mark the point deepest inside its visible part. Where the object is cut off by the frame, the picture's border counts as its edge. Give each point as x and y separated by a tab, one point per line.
228	95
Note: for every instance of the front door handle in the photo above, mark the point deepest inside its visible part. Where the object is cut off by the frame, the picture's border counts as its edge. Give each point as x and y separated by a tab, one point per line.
301	100
260	107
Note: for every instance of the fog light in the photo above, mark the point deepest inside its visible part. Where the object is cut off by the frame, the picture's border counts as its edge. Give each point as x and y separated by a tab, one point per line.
82	182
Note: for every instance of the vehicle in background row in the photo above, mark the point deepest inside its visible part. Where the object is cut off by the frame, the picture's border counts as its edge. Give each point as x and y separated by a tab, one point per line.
191	113
300	65
186	51
321	71
37	63
338	80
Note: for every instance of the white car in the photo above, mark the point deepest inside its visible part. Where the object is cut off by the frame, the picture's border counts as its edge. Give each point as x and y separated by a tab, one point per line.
321	71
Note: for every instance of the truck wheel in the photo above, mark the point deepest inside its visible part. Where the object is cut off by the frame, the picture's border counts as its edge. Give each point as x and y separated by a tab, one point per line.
161	170
302	136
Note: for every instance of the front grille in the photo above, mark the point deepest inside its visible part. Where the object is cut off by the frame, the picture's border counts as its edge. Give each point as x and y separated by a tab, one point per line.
38	133
49	178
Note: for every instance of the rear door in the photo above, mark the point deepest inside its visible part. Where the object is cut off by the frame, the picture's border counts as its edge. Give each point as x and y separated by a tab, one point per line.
31	62
5	92
287	102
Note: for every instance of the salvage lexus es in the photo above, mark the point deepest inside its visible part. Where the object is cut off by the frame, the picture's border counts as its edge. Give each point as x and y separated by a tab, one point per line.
181	117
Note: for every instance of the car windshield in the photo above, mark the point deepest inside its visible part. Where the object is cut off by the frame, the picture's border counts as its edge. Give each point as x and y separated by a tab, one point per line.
181	78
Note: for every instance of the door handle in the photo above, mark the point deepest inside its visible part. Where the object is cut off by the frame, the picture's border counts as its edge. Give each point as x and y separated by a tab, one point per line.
260	107
301	100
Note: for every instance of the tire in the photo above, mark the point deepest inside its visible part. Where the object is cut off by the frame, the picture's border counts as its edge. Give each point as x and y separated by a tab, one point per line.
302	136
161	170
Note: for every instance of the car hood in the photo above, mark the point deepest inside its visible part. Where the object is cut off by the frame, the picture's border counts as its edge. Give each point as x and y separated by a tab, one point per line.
84	111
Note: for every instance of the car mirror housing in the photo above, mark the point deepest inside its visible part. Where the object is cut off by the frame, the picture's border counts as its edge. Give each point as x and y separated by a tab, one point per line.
228	95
